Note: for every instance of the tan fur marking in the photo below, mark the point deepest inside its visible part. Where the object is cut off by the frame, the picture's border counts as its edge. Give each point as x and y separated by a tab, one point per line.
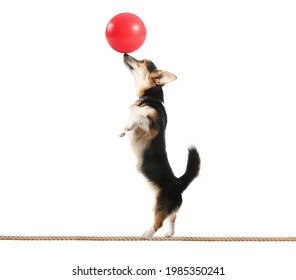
148	84
158	220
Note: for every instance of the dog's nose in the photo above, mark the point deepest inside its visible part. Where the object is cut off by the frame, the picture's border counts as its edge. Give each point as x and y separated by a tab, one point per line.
126	57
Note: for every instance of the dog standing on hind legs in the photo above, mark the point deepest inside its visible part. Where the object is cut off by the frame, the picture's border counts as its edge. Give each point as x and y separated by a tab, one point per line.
146	130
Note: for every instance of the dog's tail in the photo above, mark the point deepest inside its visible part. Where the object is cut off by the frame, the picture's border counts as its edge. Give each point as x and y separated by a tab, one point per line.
192	169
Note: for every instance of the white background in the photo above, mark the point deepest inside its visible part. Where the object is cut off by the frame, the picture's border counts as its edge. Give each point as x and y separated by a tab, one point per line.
64	97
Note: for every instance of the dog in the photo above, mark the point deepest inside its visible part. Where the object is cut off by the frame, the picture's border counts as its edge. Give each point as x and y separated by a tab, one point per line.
146	130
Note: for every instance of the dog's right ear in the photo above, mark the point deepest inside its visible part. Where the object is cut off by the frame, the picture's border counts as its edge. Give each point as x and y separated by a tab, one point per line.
161	77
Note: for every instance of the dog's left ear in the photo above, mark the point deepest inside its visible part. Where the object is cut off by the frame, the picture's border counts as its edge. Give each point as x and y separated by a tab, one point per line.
161	77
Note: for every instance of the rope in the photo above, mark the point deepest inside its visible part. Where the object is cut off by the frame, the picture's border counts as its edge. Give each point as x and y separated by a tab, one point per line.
136	238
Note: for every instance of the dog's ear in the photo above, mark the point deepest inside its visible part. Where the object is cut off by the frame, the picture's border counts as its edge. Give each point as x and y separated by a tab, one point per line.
161	77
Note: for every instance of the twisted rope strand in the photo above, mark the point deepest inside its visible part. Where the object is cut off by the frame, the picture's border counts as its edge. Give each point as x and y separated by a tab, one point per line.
136	238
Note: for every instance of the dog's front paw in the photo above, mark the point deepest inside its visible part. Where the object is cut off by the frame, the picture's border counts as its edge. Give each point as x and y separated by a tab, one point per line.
122	133
129	127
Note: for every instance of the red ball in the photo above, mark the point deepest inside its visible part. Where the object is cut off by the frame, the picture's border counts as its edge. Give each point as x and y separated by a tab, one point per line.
125	33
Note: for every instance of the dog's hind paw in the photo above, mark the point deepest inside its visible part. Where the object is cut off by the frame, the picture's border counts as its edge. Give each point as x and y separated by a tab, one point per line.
169	234
148	233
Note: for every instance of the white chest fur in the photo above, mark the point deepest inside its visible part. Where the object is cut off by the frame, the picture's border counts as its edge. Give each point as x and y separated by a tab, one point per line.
140	129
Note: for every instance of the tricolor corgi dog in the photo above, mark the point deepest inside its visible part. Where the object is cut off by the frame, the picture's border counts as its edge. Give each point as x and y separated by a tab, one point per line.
146	130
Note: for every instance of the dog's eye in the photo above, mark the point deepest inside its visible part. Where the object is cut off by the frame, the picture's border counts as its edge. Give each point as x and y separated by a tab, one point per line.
141	61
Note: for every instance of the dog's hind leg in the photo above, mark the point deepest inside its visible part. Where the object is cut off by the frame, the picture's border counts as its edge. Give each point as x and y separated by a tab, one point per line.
158	222
168	202
171	220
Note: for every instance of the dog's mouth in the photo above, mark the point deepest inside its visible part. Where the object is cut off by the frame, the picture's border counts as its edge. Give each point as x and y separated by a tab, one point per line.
129	66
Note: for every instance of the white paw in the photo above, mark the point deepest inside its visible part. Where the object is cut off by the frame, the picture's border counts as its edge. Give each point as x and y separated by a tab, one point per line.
148	233
169	234
171	230
121	134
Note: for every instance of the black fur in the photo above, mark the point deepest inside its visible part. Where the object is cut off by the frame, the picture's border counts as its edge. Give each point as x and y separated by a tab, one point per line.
156	167
151	66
